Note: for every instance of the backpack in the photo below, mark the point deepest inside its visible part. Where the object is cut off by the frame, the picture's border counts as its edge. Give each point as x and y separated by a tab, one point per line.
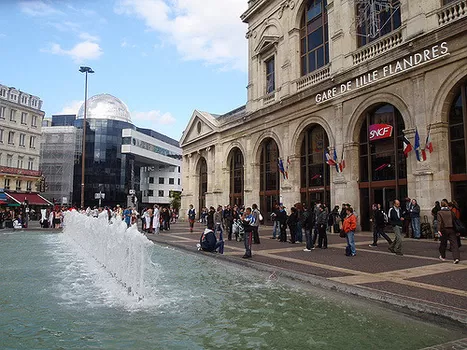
260	218
386	218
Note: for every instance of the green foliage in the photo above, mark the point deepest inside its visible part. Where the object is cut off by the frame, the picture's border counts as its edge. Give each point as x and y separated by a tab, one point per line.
176	201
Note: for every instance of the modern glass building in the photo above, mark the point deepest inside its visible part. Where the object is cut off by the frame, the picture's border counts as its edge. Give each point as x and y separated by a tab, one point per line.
119	157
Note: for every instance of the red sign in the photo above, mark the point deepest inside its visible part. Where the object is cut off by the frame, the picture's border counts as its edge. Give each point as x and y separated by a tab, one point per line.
379	131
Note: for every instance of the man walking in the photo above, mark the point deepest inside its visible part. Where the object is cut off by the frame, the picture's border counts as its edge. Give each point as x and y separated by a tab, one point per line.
379	223
396	219
255	224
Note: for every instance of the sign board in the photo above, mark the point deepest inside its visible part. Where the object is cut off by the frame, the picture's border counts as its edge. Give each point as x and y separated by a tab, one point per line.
379	131
99	195
64	200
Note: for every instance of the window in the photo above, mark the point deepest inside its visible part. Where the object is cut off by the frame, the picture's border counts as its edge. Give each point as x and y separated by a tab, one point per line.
161	181
18	185
24	117
314	38
178	169
171	181
2	112
161	193
6	184
20	162
11	138
31	164
29	186
2	92
151	180
270	75
13	115
34	121
9	160
374	21
1	135
32	142
150	193
178	182
22	138
457	118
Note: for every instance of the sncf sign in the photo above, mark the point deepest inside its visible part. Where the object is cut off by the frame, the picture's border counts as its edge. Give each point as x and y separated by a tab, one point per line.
379	131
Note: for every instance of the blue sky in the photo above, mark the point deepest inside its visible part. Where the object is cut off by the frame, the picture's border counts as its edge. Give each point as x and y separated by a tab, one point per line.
163	58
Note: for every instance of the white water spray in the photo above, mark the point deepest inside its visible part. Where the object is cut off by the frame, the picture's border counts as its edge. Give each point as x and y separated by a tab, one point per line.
122	252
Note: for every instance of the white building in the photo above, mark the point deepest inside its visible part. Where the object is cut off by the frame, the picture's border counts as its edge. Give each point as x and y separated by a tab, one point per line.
160	163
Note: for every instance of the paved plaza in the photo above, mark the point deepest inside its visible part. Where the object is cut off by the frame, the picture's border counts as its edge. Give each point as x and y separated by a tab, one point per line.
418	280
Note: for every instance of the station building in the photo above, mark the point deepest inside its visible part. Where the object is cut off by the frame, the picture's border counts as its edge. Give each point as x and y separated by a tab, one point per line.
350	78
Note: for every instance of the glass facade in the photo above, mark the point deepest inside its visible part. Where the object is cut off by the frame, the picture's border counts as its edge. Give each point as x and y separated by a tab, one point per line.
236	177
457	132
106	168
314	174
383	169
314	37
269	193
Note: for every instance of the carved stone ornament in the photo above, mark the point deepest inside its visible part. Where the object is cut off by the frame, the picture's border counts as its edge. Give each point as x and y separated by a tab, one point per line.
289	3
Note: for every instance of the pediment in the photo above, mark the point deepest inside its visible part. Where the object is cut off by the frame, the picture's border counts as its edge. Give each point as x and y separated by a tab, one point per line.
200	125
266	43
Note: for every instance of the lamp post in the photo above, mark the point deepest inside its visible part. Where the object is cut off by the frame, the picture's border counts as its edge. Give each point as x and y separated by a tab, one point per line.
84	70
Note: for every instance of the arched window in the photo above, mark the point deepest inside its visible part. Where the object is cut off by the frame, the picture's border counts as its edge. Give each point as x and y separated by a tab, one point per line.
376	18
383	170
236	177
458	152
203	182
314	38
314	174
269	176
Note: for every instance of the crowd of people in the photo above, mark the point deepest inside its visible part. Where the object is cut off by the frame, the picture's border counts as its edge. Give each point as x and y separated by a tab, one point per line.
311	224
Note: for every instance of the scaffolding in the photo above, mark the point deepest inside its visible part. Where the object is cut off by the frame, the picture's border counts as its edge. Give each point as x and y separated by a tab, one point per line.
60	147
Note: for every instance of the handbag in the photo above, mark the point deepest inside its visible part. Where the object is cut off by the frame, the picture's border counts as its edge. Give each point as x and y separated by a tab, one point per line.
342	234
458	225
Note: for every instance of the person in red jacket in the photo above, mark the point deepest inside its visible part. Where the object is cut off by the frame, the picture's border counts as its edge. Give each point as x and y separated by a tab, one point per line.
349	226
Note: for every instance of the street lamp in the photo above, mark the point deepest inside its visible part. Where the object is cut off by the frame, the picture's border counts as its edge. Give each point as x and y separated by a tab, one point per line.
84	70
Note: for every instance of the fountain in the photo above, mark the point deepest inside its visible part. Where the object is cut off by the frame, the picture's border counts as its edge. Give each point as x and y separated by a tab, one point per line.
122	252
70	291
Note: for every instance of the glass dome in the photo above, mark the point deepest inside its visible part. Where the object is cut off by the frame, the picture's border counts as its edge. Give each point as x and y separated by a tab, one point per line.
105	106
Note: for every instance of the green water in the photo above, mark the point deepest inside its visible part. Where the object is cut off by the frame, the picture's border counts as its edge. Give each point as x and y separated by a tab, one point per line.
53	297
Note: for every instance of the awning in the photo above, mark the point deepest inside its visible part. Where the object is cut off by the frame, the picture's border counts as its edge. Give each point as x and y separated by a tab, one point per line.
32	198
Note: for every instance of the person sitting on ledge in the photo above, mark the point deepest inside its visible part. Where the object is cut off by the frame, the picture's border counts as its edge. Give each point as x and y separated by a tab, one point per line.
208	242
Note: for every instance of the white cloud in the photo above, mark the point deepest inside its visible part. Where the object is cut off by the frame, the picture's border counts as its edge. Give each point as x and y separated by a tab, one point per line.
207	30
2	35
72	107
152	119
37	8
88	37
81	52
65	26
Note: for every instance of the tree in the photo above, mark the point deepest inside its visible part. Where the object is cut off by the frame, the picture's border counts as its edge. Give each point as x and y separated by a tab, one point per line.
176	201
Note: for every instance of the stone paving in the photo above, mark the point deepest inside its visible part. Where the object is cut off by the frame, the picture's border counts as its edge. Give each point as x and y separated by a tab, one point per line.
418	280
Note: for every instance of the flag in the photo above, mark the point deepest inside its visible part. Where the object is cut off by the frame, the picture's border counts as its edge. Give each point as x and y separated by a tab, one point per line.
342	163
281	167
287	168
329	159
407	146
418	151
428	143
338	169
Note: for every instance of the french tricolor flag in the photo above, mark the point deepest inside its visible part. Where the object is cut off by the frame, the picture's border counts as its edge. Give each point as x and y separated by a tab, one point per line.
407	146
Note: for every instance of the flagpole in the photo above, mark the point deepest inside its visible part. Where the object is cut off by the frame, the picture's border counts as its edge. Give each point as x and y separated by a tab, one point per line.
396	166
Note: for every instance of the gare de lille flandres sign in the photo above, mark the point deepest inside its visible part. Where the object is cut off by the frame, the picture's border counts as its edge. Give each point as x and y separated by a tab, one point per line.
410	62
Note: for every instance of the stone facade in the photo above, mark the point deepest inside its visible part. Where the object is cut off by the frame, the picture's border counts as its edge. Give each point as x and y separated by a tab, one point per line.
417	68
20	140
